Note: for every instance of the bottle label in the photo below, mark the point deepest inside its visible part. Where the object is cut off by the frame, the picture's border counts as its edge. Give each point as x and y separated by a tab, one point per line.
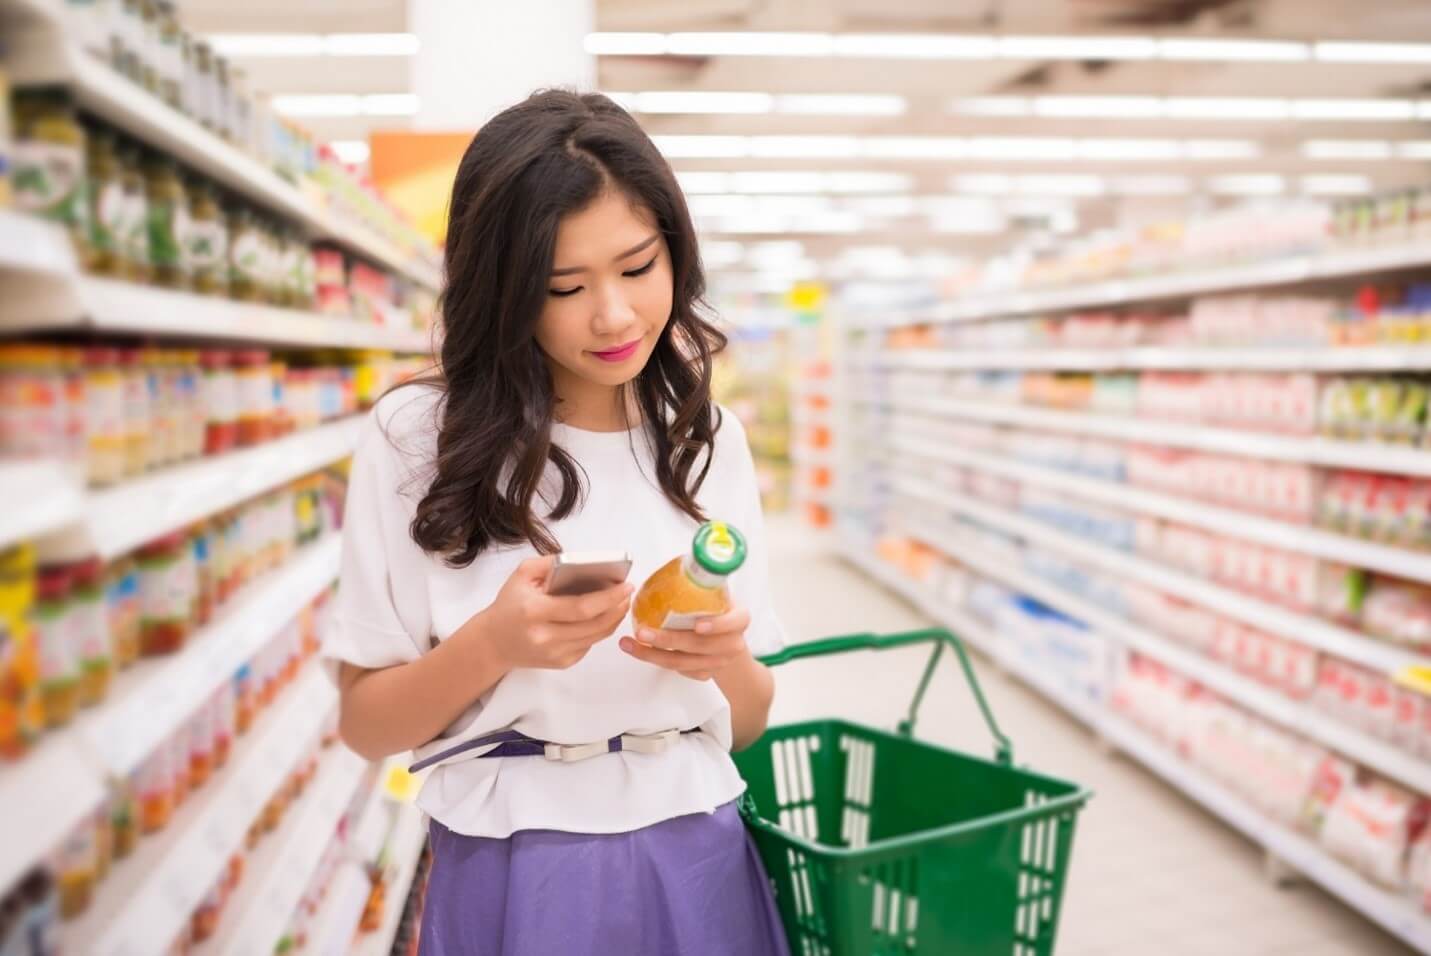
166	592
58	660
110	212
49	180
221	397
684	622
246	256
136	228
164	246
92	631
255	393
206	245
105	408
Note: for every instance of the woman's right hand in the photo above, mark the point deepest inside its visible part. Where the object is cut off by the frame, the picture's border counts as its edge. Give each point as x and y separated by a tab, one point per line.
527	627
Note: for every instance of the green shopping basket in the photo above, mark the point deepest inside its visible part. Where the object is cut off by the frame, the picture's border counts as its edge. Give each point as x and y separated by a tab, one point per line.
879	843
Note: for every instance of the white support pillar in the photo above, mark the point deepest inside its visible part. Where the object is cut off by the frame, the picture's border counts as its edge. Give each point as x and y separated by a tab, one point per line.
478	57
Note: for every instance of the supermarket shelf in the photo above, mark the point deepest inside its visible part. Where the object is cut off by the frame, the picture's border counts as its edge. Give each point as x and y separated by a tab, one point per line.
404	849
41	497
1362	455
73	766
1270	704
1392	560
45	797
277	876
1388	909
336	921
47	291
115	521
1303	628
1291	270
151	897
1368	358
46	56
147	705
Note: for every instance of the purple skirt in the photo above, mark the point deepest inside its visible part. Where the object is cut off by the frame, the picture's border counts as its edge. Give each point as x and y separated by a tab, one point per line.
692	885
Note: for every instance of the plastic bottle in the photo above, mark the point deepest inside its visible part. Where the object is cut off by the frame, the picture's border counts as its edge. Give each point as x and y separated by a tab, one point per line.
91	629
59	657
693	585
168	207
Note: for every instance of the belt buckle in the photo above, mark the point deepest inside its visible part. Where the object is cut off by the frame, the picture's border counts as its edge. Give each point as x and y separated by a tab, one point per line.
574	752
649	743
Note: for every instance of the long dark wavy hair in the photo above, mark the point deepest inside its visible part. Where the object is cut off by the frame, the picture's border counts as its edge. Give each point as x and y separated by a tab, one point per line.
529	166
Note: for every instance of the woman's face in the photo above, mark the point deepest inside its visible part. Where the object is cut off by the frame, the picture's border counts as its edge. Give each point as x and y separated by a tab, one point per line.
608	297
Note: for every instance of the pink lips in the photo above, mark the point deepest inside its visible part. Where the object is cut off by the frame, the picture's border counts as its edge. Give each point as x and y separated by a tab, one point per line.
619	354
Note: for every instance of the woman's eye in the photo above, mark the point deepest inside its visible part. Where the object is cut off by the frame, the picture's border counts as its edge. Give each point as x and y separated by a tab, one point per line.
563	293
641	271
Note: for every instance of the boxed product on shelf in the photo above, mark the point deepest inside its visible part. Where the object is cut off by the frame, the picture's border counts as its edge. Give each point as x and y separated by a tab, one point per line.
1372	825
1376	506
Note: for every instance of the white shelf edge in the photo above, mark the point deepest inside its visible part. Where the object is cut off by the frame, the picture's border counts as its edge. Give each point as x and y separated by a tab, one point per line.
1392	912
162	899
1325	452
119	519
1269	704
1305	629
1369	358
42	497
46	794
1399	562
409	837
268	899
1288	270
333	927
146	706
47	57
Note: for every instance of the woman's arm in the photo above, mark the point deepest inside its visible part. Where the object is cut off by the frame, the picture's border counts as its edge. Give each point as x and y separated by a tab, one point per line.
392	709
750	687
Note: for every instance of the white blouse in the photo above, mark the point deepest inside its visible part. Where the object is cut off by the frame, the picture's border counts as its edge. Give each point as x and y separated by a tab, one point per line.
395	602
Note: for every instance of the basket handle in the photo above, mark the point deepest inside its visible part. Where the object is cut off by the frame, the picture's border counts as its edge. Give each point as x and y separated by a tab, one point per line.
940	638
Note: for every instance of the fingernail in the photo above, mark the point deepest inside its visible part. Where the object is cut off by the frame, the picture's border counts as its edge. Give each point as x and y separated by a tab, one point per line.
648	635
628	645
703	628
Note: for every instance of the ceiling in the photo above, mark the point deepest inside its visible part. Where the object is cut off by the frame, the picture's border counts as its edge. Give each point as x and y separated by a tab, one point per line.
942	206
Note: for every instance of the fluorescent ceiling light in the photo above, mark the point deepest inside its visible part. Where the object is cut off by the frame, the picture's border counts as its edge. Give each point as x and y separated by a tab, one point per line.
993	106
893	207
1335	184
267	44
1109	107
914	147
763	254
1077	48
984	184
1229	51
791	182
1015	147
1346	149
777	182
1420	149
702	147
719	255
1247	184
869	182
833	222
1061	185
745	204
391	104
840	104
1151	185
968	225
317	104
1215	149
1354	109
915	46
355	152
802	147
625	44
371	44
1374	52
1130	149
1224	108
695	182
750	44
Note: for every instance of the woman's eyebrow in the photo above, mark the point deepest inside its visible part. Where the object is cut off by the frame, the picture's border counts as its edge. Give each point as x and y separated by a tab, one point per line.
629	252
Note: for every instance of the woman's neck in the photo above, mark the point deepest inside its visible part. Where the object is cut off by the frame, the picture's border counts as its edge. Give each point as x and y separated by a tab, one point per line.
591	407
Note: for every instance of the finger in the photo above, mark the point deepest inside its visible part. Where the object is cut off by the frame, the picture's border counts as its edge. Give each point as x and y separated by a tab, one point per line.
581	608
589	632
734	621
685	641
670	660
536	569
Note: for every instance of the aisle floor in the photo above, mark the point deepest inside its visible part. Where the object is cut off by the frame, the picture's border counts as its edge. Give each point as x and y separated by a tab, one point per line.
1152	874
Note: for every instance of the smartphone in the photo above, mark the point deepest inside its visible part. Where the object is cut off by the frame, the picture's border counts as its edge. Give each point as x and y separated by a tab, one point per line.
581	572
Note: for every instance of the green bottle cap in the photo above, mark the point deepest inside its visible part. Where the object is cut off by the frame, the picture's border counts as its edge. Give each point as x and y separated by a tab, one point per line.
719	547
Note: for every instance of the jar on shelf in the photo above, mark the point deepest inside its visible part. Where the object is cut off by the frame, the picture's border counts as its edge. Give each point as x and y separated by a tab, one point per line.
91	629
205	922
201	748
170	54
205	90
149	50
245	698
137	423
104	419
255	389
161	408
245	256
49	177
281	421
22	715
124	816
108	205
122	601
206	242
71	363
193	415
223	100
103	840
205	601
134	229
220	401
59	656
168	217
222	706
167	591
179	762
75	870
155	790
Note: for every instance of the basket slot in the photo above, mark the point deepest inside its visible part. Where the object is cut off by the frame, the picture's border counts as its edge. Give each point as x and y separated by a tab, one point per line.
1039	879
859	790
894	909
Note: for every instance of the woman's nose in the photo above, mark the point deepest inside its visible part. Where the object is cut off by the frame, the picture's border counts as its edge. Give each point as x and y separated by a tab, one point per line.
613	312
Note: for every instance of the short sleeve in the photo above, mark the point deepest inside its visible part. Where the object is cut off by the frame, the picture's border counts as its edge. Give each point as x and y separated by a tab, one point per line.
752	583
380	618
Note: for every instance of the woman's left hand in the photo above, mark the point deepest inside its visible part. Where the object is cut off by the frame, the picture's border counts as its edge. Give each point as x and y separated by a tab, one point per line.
715	644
